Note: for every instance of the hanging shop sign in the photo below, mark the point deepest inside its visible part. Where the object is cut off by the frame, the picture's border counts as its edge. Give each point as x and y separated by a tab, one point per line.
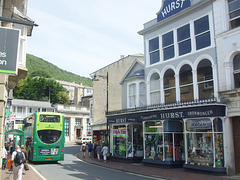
9	44
171	7
177	113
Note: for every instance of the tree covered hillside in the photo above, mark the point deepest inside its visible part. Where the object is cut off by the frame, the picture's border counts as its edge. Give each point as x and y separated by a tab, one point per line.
35	64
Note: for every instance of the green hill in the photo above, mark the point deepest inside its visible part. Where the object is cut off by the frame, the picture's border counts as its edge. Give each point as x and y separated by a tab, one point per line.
35	64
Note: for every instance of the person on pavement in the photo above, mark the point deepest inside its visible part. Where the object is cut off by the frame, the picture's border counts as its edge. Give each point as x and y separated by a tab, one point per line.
17	168
98	151
4	160
105	152
25	154
83	149
90	147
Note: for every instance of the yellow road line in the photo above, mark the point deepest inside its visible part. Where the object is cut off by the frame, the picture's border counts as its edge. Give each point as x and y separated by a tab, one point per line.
37	172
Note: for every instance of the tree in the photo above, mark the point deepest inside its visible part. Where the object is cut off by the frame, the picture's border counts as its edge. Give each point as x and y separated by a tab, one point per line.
40	89
40	74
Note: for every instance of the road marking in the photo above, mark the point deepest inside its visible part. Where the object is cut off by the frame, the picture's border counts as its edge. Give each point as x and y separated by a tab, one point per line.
131	173
37	172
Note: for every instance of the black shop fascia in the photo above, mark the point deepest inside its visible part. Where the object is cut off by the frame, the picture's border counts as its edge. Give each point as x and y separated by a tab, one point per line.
163	138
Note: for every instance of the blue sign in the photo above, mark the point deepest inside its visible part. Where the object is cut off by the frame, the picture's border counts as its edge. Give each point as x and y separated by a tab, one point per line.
171	7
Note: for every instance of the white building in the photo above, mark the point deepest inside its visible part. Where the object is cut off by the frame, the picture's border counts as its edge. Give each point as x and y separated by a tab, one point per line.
191	81
77	121
76	92
22	108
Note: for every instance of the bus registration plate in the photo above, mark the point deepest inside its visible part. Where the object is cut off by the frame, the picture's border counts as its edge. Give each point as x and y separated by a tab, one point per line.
45	151
48	151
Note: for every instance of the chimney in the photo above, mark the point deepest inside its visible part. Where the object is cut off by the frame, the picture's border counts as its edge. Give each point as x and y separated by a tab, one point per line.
122	56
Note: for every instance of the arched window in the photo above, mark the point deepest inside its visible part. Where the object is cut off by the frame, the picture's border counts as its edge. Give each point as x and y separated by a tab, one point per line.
205	79
236	70
132	95
169	86
142	94
155	88
186	83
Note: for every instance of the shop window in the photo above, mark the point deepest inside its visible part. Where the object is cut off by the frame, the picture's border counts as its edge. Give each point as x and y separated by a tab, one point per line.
218	136
155	88
186	83
119	140
132	95
154	50
234	13
205	79
134	141
184	40
169	86
164	140
168	46
202	32
142	94
236	70
204	144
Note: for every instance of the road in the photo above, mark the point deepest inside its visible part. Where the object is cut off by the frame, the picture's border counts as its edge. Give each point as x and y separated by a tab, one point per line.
72	168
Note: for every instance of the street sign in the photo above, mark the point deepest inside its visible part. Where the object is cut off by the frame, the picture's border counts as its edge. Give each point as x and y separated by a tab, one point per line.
9	45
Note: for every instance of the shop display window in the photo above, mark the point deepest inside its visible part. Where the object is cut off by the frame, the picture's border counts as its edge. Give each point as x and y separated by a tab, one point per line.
119	140
205	142
164	140
128	140
135	141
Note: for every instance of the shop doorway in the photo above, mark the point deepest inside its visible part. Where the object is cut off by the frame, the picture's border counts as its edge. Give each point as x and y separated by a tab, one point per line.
236	138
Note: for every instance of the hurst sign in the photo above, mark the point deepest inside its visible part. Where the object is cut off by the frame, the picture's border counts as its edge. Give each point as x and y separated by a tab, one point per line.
9	44
171	7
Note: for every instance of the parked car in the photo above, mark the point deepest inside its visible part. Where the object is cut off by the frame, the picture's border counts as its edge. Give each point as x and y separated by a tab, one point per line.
80	140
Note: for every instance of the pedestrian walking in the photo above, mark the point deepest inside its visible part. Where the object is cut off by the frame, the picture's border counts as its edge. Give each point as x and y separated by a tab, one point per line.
4	156
83	149
98	151
105	152
90	148
94	150
18	159
25	166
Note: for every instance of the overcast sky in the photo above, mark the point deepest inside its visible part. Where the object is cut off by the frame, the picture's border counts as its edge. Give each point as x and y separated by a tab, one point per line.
82	36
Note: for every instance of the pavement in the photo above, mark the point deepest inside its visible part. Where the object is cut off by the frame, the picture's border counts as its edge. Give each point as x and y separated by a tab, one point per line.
31	174
138	168
156	172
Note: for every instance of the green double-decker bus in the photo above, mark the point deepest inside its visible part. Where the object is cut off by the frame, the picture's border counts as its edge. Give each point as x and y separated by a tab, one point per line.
45	136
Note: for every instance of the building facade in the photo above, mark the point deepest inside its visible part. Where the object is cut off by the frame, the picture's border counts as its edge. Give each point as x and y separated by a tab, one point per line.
78	94
13	19
107	93
77	121
22	108
189	114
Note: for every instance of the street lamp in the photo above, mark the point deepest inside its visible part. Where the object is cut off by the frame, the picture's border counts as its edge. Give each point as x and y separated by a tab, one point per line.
96	79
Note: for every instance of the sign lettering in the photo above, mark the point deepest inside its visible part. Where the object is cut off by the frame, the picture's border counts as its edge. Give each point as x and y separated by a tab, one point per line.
171	7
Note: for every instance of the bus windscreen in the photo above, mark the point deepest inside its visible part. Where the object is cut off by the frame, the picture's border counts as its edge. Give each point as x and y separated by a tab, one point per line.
49	136
49	118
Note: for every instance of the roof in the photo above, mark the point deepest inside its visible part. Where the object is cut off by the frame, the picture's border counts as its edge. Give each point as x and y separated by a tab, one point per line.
137	55
136	73
31	103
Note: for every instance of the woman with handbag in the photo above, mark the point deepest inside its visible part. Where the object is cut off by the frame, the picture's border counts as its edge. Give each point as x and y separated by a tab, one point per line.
25	166
105	152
